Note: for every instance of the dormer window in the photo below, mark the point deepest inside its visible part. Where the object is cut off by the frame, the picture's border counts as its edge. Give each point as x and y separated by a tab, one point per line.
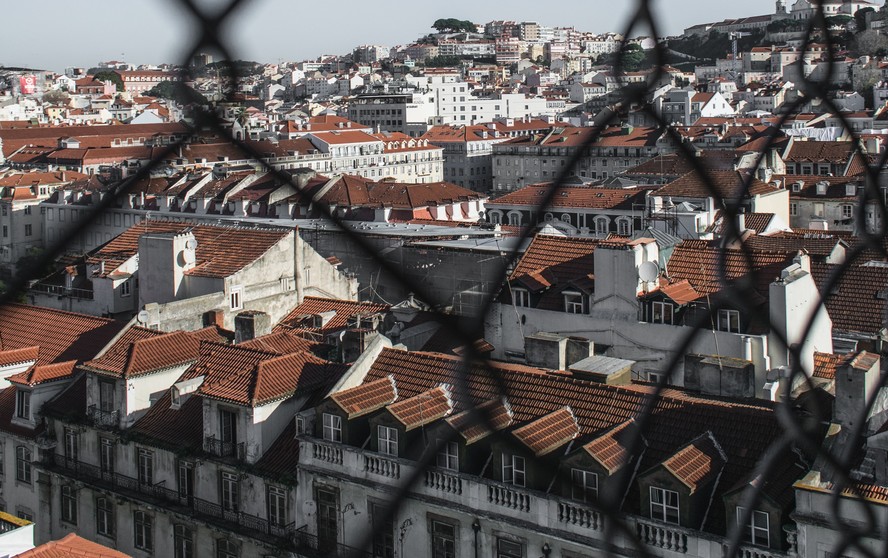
387	440
573	303
332	429
514	471
520	297
583	485
729	320
664	505
23	404
448	457
661	312
757	531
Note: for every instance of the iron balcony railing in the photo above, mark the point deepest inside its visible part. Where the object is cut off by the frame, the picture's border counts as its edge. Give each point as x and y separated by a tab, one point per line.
222	448
100	417
309	544
228	519
62	291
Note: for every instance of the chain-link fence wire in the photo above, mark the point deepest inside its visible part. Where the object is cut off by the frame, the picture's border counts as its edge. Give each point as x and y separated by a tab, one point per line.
209	36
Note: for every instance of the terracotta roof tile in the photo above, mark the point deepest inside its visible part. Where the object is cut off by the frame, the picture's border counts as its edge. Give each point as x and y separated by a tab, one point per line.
19	356
282	458
423	408
494	415
37	375
344	309
61	336
355	191
553	259
856	302
178	429
72	546
710	269
825	365
697	463
573	197
366	398
142	351
730	185
549	432
281	342
611	450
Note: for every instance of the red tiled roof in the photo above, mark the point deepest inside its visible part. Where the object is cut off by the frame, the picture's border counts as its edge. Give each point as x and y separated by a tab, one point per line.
701	265
549	432
281	342
573	197
72	546
42	374
221	250
366	398
423	408
825	365
575	137
178	429
282	458
19	356
355	191
494	415
856	302
724	185
141	351
345	309
61	336
681	292
697	463
549	260
611	450
820	151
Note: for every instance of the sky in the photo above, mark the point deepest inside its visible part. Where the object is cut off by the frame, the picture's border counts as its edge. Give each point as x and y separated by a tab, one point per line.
55	34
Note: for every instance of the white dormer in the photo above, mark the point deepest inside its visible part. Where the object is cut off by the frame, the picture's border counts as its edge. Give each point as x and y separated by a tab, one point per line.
180	391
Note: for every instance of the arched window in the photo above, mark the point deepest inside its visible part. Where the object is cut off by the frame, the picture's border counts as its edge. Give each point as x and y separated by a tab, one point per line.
515	218
496	217
601	225
548	217
565	218
624	227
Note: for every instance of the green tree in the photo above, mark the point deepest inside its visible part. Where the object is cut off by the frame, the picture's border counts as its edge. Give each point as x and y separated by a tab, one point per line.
106	75
454	25
56	97
178	92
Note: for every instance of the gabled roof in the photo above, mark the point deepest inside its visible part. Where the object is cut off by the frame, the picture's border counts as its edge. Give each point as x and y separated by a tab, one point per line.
280	342
19	356
574	197
494	415
366	398
72	546
142	351
856	302
727	184
553	259
221	251
698	462
344	309
549	432
423	408
710	269
252	378
37	375
61	336
356	191
612	449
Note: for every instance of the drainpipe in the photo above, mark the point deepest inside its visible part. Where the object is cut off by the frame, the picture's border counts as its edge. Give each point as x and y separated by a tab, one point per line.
476	527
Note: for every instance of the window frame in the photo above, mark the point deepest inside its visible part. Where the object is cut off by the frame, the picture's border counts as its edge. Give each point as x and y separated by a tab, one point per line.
106	455
23	467
276	505
68	498
517	550
72	444
448	457
574	302
387	440
23	404
750	529
664	506
448	541
725	318
585	488
520	297
145	467
143	531
183	541
105	517
662	306
332	432
229	491
513	473
236	298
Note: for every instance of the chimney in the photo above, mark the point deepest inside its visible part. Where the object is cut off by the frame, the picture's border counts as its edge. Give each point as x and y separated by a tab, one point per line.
857	382
251	324
214	318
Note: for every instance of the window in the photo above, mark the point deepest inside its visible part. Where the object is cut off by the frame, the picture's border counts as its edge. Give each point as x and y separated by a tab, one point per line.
729	320
23	464
277	506
661	312
383	532
506	548
332	428
513	469
624	227
847	211
126	288
5	231
23	514
443	539
388	440
601	225
757	530
106	396
448	457
146	467
520	297
573	303
183	542
106	455
28	230
234	298
104	517
185	479
71	444
793	209
818	209
328	513
143	531
229	483
226	548
23	404
583	485
69	504
664	505
228	426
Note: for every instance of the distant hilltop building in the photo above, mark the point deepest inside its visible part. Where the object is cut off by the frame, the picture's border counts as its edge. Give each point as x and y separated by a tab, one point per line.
800	10
805	9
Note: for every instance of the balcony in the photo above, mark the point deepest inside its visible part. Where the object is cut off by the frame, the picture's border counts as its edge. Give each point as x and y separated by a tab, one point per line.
168	498
103	419
308	544
61	291
221	448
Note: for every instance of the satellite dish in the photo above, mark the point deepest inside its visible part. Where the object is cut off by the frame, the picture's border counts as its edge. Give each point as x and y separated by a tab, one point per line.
191	244
187	257
649	271
142	317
